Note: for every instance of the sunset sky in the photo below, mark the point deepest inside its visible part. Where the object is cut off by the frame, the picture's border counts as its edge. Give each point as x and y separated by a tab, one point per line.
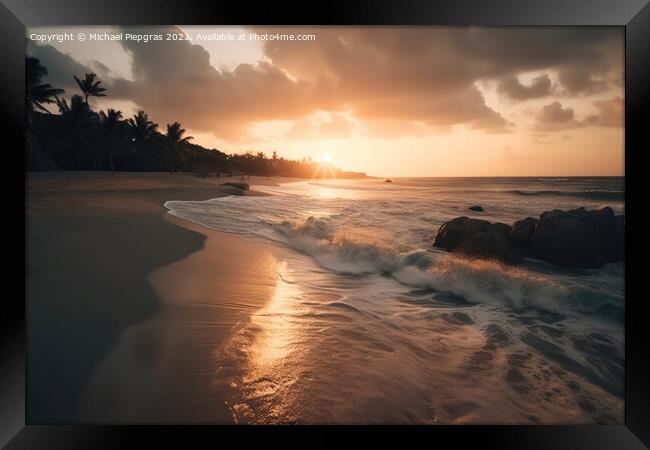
399	101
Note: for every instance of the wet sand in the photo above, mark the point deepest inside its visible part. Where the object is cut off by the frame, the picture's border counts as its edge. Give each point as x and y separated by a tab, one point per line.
127	304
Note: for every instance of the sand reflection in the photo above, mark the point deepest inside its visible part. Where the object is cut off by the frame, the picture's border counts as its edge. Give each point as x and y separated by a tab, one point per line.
276	335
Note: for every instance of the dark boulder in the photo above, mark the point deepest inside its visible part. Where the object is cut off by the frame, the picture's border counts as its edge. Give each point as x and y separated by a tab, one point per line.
567	242
521	231
575	238
476	237
579	238
242	186
476	208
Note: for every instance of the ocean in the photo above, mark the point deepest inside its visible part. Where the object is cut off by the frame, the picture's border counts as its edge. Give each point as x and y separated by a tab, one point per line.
371	324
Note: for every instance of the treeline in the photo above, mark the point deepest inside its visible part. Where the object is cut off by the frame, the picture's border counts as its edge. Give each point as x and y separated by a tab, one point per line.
79	138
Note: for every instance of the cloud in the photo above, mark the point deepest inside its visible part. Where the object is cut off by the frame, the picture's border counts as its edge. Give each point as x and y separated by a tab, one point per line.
60	66
420	79
554	117
396	128
101	69
579	79
610	113
336	126
512	88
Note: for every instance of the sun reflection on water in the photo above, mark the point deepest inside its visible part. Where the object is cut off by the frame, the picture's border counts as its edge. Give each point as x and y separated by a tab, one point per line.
275	338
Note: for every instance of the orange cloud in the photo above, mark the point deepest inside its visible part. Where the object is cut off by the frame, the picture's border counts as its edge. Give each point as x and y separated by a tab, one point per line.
610	113
418	79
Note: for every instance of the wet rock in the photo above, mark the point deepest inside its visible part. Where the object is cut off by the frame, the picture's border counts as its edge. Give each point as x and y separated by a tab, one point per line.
243	186
522	230
476	208
475	237
576	238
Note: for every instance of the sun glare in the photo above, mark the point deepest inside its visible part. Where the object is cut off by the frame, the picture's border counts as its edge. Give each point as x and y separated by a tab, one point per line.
324	168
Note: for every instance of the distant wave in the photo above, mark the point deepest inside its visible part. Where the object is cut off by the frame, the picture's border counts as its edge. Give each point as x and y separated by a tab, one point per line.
590	195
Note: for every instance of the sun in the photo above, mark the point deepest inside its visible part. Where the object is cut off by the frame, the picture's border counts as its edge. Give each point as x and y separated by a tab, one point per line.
324	168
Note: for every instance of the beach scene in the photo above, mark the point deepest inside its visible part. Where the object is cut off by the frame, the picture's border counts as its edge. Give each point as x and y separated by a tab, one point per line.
325	225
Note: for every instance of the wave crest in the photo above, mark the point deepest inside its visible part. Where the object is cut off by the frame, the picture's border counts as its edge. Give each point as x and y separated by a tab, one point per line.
359	251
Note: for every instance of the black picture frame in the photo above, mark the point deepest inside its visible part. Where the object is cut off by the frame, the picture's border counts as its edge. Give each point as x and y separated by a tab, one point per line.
633	15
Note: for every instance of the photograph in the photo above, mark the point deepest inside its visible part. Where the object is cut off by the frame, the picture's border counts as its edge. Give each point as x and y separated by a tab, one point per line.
325	225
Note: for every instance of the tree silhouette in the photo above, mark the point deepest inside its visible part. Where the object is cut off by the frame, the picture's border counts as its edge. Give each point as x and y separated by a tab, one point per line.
75	113
110	121
79	120
174	140
89	86
37	94
79	138
141	127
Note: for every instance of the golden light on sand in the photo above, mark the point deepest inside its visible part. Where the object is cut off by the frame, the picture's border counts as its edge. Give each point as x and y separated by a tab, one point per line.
275	337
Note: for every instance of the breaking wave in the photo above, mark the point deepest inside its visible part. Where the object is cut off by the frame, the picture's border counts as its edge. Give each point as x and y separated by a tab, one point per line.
368	320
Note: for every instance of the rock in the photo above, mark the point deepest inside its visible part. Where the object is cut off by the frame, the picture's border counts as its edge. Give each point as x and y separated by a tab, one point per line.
521	231
567	242
579	238
575	238
242	186
476	237
476	208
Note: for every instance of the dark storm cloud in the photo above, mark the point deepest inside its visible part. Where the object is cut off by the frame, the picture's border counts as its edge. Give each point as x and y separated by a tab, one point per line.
423	77
60	66
451	57
555	113
174	81
554	117
610	113
512	88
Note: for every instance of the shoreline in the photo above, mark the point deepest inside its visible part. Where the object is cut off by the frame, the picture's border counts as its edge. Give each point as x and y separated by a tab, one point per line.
143	320
95	243
200	308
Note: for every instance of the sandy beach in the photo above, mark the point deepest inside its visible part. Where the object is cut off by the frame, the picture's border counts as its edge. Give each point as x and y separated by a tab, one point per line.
430	228
126	304
323	302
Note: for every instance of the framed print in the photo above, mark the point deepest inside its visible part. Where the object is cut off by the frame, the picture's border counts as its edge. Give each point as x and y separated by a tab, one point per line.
357	217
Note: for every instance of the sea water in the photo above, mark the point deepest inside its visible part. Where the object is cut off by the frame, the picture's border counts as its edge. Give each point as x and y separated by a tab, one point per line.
371	324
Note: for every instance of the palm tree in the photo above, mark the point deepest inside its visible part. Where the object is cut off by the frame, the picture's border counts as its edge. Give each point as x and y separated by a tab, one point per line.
89	86
110	121
37	94
141	127
174	140
79	119
75	112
